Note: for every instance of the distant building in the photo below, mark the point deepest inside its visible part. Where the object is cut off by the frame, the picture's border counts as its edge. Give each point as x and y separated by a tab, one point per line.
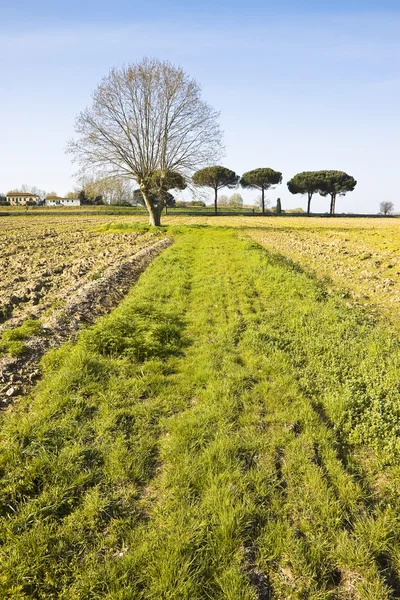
22	198
57	201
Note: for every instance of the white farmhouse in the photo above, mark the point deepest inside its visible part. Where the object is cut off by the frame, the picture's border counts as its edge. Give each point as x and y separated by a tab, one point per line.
22	198
57	201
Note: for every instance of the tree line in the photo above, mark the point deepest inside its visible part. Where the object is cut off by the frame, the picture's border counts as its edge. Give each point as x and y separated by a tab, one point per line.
148	123
326	183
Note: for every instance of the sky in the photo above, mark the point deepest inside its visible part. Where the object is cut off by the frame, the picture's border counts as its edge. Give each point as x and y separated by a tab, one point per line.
300	85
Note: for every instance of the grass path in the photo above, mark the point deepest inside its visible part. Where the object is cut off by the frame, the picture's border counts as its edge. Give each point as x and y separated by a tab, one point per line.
217	436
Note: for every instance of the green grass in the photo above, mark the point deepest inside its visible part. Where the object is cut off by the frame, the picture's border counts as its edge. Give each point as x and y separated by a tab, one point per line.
12	340
208	439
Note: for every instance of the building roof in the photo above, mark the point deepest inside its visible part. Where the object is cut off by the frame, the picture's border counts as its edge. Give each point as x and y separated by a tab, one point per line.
27	194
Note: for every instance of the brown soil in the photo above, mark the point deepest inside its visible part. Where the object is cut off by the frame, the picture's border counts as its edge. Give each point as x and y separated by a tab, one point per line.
90	300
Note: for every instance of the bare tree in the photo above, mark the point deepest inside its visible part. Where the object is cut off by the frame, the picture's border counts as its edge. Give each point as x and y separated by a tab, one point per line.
111	189
32	189
147	118
258	202
386	208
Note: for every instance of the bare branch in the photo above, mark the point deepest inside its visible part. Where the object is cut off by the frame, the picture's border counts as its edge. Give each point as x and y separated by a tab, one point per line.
144	118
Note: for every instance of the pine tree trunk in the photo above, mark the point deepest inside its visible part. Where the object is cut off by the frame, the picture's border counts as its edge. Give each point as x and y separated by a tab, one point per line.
216	201
309	203
262	201
333	203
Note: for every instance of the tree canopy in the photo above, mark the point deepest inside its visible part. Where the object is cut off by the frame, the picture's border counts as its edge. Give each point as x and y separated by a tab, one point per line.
261	179
145	118
306	182
169	199
86	199
216	177
235	201
168	180
158	192
335	183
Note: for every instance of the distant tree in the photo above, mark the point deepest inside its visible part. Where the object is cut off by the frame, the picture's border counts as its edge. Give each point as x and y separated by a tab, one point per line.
32	189
261	179
223	200
89	195
258	202
278	207
335	183
3	200
82	197
85	200
295	211
147	117
306	182
386	208
111	190
236	200
216	177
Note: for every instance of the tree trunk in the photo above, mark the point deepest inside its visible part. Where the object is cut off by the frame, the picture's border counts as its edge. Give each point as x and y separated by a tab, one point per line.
262	201
309	202
333	203
216	201
154	210
155	215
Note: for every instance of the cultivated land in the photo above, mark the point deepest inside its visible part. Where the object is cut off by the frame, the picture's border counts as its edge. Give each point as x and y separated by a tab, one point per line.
231	430
55	274
46	260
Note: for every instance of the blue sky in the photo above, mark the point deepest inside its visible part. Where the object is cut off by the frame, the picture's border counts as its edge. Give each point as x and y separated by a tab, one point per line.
300	85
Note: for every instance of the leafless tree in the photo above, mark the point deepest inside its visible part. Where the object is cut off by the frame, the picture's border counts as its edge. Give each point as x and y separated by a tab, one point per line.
32	189
258	202
112	190
386	208
146	118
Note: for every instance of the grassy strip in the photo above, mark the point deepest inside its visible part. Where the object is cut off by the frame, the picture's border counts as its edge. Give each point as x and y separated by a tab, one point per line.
196	443
12	340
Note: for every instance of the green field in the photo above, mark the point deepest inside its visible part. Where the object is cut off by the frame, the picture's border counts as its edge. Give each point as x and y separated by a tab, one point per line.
230	431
